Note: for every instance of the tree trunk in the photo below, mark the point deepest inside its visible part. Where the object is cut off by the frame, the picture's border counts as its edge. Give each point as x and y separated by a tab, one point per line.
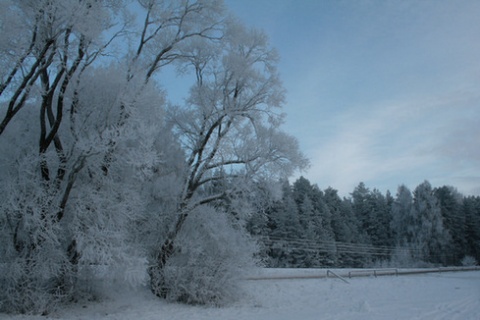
158	284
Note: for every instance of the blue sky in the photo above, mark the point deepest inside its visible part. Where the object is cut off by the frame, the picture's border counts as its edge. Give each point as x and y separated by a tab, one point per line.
384	92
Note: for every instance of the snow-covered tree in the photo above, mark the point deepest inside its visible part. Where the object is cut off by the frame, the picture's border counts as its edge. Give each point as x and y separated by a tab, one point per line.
431	240
43	62
373	212
403	217
284	239
228	129
454	221
381	234
84	138
345	229
471	207
315	222
403	225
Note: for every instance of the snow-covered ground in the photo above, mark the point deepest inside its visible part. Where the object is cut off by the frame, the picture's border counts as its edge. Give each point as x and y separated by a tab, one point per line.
446	295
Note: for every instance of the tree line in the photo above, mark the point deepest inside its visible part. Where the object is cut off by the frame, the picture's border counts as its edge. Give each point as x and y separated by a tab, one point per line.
308	227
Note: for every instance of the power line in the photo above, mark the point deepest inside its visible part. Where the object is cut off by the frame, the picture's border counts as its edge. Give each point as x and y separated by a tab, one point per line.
337	247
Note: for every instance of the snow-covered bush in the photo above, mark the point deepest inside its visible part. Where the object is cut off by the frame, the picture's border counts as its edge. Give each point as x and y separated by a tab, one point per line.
42	260
32	261
469	261
212	256
401	258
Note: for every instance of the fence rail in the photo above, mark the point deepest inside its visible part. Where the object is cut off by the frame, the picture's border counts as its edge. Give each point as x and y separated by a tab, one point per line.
374	272
339	273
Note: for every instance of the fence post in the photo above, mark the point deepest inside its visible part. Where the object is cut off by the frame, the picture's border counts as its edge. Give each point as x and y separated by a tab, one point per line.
337	276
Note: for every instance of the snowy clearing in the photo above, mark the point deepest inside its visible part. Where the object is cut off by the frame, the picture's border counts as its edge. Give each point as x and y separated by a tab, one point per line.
446	295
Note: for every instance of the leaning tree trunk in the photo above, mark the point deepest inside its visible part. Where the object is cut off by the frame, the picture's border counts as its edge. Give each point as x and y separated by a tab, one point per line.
158	284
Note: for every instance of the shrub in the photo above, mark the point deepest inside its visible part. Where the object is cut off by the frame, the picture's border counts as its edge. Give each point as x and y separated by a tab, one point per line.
211	256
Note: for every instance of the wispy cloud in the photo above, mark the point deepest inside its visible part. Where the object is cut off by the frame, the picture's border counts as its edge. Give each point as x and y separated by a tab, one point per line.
402	142
384	92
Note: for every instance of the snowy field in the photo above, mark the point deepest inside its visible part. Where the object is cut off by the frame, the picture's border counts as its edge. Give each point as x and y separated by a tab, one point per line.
446	295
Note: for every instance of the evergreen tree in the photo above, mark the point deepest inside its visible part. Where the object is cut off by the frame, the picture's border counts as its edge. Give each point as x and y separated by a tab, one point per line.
471	208
310	223
264	197
346	230
301	192
403	226
315	222
454	221
372	212
362	207
403	217
432	241
389	200
324	230
381	232
285	248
